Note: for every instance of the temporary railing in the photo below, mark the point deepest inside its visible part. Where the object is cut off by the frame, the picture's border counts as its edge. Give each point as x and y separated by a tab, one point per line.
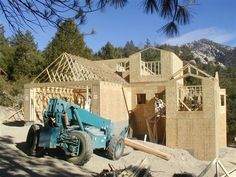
122	66
150	68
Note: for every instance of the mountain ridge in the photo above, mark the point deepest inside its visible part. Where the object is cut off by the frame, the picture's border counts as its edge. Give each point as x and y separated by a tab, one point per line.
205	51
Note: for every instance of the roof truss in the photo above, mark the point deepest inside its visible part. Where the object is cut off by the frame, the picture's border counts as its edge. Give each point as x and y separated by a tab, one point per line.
65	68
190	70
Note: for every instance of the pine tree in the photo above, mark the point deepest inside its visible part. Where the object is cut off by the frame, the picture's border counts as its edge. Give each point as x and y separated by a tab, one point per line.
26	61
147	44
6	51
67	39
109	52
130	48
21	38
27	13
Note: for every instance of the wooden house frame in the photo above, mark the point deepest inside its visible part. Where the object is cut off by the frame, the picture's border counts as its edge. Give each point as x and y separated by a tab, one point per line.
126	89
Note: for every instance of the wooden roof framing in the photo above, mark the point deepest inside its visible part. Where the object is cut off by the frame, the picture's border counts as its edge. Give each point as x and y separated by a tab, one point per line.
67	68
190	70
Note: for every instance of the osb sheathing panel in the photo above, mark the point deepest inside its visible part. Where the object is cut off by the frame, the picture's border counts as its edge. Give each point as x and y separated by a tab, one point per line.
192	134
27	104
221	121
177	63
128	97
222	137
135	70
194	131
161	128
141	113
95	100
223	108
112	102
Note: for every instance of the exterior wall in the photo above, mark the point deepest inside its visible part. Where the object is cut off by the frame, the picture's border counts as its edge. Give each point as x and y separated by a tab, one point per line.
113	105
166	64
135	70
221	121
195	131
112	102
176	64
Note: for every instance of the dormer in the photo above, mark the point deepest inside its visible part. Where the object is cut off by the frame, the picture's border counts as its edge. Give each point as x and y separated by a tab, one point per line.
153	64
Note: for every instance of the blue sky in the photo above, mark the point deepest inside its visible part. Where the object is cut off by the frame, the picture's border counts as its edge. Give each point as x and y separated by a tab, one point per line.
212	19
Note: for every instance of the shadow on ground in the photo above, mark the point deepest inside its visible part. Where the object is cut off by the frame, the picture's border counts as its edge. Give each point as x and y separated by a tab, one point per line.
19	123
15	162
55	153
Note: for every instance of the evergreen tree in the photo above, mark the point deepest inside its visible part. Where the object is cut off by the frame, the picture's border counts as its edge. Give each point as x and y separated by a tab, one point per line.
2	37
21	38
110	52
6	51
67	39
26	61
2	43
130	49
147	44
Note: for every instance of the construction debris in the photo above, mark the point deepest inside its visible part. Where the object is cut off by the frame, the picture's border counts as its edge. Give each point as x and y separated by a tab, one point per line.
216	163
146	149
140	170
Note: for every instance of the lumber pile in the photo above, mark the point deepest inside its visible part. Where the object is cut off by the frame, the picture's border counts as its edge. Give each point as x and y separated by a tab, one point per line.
141	147
142	169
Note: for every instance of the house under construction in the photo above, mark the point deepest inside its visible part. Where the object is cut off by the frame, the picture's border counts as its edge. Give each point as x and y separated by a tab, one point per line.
174	104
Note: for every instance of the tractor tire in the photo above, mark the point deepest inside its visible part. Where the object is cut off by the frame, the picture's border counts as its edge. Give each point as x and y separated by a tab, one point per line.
86	150
32	139
115	147
40	151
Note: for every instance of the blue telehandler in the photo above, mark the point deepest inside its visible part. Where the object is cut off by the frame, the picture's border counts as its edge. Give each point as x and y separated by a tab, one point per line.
76	131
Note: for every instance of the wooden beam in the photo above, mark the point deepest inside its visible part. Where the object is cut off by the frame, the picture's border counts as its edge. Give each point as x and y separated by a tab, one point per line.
146	149
202	174
185	105
231	172
223	168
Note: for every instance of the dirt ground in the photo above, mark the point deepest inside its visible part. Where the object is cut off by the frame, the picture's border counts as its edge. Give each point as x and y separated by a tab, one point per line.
15	162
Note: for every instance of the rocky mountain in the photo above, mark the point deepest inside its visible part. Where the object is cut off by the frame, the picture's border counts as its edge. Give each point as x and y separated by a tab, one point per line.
205	51
208	51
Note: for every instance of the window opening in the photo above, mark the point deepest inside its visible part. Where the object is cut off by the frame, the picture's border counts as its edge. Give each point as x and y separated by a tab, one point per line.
141	98
222	100
190	95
